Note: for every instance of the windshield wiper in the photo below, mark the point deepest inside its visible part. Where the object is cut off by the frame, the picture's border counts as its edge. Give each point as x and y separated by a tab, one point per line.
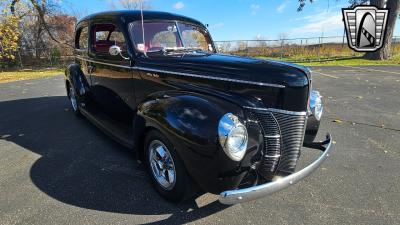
175	50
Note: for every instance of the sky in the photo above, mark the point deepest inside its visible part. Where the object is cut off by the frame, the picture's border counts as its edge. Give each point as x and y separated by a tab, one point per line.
247	19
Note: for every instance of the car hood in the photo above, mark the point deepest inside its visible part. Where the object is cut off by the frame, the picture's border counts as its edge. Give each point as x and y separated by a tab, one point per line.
233	68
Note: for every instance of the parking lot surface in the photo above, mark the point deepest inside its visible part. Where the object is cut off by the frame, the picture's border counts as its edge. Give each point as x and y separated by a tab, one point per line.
56	168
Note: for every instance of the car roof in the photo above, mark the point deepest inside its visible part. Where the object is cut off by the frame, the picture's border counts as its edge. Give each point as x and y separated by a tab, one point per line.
135	15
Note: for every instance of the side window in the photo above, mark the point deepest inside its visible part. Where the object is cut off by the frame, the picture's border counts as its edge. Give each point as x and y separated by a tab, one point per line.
81	40
105	36
101	36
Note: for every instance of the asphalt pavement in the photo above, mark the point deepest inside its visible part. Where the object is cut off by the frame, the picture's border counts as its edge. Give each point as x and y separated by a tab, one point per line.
56	168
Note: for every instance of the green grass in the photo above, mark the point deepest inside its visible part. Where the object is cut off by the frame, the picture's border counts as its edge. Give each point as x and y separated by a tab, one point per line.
342	61
28	75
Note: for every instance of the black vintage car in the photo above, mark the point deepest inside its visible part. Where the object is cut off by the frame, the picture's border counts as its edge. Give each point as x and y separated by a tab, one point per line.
199	120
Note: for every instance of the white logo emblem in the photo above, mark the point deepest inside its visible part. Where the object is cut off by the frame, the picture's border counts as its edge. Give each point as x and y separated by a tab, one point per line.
365	27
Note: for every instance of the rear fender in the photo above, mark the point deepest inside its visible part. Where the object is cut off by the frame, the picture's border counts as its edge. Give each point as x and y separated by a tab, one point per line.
77	79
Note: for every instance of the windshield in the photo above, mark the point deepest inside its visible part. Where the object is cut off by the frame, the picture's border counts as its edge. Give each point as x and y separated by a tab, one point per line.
170	36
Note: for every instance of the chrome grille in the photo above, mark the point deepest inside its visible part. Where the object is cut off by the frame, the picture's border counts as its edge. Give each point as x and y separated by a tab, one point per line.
272	144
292	132
283	137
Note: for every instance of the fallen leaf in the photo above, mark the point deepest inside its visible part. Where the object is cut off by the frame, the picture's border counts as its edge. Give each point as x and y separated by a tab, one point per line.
333	142
338	121
359	97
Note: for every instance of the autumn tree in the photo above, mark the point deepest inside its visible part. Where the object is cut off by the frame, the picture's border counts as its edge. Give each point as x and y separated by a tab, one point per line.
47	30
394	8
9	34
9	37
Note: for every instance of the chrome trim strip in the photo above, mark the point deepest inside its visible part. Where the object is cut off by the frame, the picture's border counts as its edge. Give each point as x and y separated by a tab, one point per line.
277	111
272	136
107	64
188	74
212	78
272	156
252	193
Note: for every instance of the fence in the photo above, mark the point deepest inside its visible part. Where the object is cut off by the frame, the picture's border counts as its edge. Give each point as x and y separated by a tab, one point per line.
53	57
293	50
296	49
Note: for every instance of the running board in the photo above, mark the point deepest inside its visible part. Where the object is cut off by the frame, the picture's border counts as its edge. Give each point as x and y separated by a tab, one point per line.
121	133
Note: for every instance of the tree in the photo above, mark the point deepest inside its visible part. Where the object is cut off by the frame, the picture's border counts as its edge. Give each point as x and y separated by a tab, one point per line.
130	4
46	30
41	9
9	36
394	8
386	51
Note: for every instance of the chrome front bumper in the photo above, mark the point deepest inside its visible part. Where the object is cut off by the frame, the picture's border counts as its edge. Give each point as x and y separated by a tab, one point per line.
252	193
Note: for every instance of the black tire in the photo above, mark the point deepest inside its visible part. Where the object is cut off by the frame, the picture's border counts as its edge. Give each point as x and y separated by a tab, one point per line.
72	96
183	188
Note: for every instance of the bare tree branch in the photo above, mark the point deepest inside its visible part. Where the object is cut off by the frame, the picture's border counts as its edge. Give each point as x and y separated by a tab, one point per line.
41	10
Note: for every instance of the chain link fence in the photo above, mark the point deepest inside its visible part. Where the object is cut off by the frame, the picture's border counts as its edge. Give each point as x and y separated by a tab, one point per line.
297	49
38	58
316	49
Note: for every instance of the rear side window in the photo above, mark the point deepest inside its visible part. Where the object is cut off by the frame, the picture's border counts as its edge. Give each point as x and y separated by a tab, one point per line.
105	36
102	35
81	40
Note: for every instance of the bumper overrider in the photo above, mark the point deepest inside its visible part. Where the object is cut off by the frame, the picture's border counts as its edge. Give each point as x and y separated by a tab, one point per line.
255	192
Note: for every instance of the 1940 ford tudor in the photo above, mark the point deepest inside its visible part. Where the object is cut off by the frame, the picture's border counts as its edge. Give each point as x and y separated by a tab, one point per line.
199	120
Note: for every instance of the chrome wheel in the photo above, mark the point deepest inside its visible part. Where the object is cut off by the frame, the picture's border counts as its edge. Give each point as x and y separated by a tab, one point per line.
162	165
72	98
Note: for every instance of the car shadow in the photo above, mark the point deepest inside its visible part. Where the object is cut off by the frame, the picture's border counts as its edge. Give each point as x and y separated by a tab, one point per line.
81	166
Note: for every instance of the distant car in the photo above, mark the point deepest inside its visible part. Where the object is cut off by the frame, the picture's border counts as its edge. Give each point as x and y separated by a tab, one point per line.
228	125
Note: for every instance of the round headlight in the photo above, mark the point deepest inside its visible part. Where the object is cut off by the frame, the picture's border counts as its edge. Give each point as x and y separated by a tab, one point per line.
232	136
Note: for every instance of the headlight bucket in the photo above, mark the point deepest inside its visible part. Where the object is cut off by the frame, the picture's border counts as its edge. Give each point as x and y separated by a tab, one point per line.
316	104
233	136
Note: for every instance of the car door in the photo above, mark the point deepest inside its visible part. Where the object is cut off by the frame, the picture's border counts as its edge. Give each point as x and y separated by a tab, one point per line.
112	82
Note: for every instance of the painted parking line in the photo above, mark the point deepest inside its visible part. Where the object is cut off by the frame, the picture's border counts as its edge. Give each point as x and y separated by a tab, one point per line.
326	75
375	70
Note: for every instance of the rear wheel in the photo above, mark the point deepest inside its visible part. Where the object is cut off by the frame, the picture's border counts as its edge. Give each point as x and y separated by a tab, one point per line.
168	174
73	99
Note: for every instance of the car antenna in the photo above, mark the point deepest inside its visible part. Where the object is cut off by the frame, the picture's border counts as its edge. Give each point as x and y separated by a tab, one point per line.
141	14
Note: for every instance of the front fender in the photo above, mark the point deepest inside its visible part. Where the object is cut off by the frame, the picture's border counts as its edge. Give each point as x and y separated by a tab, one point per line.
190	121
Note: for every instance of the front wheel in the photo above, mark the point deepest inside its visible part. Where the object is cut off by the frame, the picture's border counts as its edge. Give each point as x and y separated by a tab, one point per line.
168	174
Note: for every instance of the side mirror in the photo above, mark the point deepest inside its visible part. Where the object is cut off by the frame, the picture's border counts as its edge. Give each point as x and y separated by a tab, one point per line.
116	50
